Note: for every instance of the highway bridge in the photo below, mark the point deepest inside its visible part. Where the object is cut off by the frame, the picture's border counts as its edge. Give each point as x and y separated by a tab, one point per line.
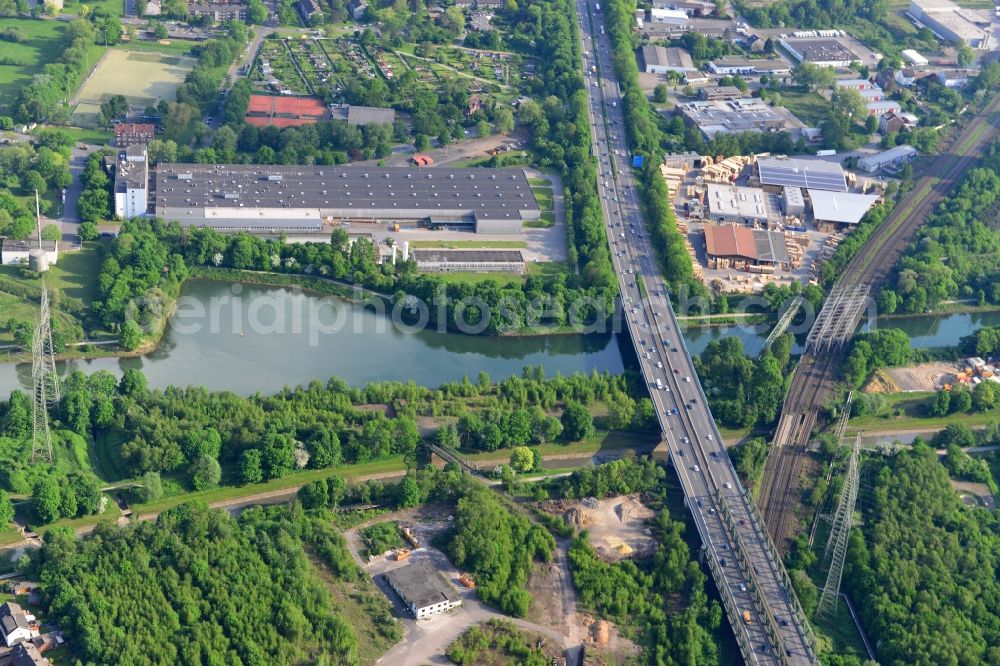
767	621
815	375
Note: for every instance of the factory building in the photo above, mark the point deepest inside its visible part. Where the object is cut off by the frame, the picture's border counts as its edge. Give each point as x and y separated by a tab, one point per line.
260	198
469	261
423	590
889	159
131	182
823	51
735	115
741	66
729	203
952	23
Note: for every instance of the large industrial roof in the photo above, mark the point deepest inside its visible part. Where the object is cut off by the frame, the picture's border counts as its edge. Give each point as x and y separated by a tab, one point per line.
360	190
843	207
733	240
817	174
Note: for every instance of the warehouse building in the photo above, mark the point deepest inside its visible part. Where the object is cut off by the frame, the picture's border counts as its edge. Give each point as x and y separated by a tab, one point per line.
951	22
736	243
729	203
720	93
423	590
469	261
889	159
257	198
882	107
840	208
822	51
668	16
131	182
776	173
735	115
742	66
660	60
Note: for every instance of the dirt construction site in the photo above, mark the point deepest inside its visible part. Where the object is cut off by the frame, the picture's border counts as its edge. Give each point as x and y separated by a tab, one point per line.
617	526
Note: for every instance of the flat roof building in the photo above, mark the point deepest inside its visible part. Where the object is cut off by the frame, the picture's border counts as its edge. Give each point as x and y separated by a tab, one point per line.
660	60
716	93
951	22
739	243
792	201
423	589
668	16
823	51
883	106
469	261
892	158
729	203
735	115
234	196
17	252
743	66
840	207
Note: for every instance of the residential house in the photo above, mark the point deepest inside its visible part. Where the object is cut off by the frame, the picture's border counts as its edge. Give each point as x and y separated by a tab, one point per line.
894	122
16	624
309	8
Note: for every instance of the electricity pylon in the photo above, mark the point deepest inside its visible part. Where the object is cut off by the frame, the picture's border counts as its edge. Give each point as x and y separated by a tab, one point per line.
43	372
836	545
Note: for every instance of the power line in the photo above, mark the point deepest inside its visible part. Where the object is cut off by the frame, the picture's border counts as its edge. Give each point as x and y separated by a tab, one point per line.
836	545
43	372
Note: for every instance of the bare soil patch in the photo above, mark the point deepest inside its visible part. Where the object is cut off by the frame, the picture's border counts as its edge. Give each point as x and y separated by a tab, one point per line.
617	525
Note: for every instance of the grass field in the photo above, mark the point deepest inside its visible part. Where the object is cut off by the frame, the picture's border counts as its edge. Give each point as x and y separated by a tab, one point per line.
143	77
809	107
42	46
95	136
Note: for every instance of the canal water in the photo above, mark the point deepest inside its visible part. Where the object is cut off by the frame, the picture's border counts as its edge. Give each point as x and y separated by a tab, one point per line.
246	339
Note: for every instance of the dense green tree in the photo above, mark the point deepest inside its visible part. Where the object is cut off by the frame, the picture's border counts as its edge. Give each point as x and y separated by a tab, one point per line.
577	422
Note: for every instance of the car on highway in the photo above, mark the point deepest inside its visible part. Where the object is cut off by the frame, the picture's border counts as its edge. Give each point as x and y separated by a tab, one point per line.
696	468
743	587
708	437
688	379
686	440
677	371
729	486
659	364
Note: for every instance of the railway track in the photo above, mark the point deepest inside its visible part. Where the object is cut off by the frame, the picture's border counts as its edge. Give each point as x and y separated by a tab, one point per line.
814	377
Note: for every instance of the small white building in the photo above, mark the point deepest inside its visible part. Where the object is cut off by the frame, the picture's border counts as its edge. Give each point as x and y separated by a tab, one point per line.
423	589
15	252
16	624
893	157
914	58
793	202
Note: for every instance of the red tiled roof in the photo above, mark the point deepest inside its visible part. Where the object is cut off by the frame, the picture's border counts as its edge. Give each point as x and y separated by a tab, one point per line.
286	106
134	128
730	240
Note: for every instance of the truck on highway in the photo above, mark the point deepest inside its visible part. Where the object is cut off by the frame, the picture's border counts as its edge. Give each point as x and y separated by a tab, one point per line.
597	6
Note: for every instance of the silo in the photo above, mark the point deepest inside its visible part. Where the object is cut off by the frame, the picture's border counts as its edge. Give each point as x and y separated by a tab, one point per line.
406	250
38	260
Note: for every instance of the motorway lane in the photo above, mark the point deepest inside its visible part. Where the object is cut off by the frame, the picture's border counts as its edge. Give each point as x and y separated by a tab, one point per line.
693	440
